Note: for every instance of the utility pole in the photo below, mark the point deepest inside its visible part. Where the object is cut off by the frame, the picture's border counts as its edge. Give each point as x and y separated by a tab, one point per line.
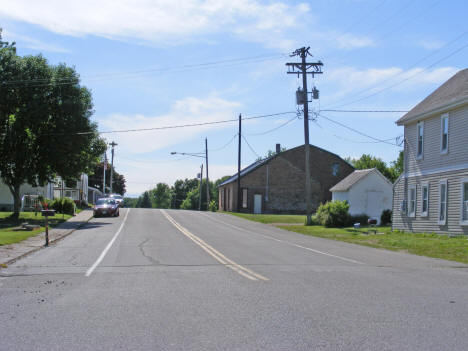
112	164
304	69
200	187
207	178
239	166
104	174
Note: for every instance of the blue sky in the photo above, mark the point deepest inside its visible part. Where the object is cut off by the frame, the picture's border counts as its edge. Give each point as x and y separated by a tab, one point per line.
158	63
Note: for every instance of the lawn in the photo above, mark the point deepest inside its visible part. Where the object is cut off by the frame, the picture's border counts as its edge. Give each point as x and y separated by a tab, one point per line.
268	219
10	229
431	245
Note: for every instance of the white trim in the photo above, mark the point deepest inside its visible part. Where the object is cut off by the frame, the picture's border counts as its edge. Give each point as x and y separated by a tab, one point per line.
442	118
440	109
410	189
460	167
419	155
444	221
463	181
424	185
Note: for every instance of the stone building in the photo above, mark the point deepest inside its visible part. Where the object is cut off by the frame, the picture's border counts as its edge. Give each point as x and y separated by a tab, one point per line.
277	184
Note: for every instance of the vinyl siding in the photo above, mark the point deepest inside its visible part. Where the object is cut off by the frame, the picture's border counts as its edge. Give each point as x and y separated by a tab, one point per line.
432	158
429	224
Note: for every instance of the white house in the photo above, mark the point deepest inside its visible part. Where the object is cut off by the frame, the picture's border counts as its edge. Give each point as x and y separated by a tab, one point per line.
367	192
431	195
6	198
50	190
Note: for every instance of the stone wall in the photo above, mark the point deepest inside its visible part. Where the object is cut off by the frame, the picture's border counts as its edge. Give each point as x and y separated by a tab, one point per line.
281	181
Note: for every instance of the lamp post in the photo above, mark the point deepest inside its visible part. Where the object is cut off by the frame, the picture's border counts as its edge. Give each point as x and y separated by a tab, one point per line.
207	179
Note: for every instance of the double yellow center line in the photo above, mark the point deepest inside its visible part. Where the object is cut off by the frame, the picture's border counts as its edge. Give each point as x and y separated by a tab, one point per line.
218	256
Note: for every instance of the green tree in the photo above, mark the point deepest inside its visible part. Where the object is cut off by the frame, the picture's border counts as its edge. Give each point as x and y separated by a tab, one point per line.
145	201
397	166
191	201
180	189
368	161
96	174
161	196
130	202
42	109
269	154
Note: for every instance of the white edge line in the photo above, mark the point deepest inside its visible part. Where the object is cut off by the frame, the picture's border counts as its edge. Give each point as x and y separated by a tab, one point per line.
104	252
285	242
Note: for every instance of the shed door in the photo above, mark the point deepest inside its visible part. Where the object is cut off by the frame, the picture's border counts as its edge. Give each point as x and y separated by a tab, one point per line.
258	203
374	204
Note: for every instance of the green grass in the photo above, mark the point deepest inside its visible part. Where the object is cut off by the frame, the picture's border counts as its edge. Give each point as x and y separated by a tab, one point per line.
10	233
430	245
267	219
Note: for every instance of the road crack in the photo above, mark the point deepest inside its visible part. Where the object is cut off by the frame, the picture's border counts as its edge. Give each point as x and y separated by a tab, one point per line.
147	256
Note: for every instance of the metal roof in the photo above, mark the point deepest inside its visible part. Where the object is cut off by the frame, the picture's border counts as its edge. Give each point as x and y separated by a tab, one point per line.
352	179
246	170
452	93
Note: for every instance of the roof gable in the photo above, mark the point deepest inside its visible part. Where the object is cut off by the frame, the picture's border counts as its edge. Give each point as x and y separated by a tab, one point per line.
452	93
355	177
260	163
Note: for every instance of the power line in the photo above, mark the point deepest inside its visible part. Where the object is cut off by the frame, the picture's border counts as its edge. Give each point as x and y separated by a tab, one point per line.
407	78
178	126
225	145
276	128
357	131
250	147
130	74
363	111
458	37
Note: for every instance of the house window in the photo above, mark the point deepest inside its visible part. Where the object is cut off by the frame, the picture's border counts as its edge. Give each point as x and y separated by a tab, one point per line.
464	203
420	149
444	133
244	198
424	199
335	169
442	202
412	201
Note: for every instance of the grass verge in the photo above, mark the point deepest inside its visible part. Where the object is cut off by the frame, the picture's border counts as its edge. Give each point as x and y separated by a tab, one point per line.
10	229
268	219
430	245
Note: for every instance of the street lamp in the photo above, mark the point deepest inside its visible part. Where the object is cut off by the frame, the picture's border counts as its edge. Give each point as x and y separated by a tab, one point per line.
207	179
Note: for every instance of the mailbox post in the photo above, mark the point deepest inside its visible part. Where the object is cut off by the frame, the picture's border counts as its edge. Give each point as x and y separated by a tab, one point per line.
46	214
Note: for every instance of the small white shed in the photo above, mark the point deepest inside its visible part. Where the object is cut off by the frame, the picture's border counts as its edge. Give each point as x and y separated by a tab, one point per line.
367	192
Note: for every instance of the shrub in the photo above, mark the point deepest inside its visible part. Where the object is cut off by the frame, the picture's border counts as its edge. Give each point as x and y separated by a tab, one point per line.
386	217
64	205
360	218
333	214
213	206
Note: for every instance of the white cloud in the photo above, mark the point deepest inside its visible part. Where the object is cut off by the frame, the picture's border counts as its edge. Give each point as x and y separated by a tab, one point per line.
31	43
186	111
163	21
430	44
351	80
349	41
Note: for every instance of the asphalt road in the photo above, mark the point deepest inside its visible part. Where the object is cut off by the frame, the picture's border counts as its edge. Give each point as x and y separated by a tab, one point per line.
182	280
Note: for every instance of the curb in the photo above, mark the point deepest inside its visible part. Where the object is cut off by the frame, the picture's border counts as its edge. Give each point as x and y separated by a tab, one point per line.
42	247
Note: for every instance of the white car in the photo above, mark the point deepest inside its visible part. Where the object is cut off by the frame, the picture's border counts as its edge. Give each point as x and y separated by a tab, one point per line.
118	198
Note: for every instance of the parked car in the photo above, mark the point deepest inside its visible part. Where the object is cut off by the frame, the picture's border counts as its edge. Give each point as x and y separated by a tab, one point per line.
106	207
118	198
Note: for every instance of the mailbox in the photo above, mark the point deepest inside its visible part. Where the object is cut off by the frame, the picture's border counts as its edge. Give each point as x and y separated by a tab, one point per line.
48	213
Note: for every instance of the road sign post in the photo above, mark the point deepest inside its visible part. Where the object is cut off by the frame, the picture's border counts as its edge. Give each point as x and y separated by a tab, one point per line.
46	214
